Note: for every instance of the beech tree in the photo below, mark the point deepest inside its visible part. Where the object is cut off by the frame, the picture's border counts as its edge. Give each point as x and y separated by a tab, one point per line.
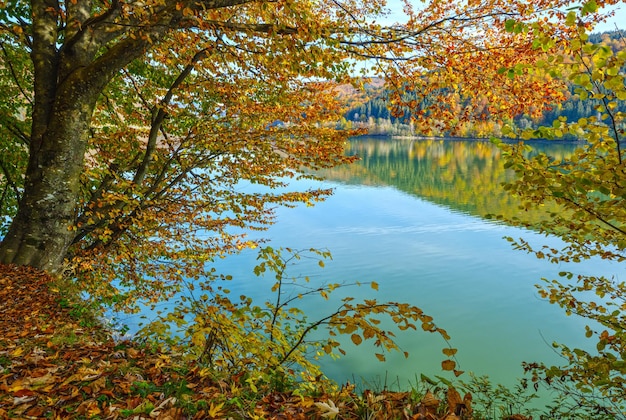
131	129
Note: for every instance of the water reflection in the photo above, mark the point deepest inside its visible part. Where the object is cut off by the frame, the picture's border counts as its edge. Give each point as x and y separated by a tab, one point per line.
463	175
405	217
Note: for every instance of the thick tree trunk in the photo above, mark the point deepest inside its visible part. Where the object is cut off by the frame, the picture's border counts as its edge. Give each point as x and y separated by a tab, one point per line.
68	79
41	232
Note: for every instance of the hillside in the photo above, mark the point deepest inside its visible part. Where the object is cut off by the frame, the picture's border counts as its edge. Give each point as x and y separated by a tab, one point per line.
369	109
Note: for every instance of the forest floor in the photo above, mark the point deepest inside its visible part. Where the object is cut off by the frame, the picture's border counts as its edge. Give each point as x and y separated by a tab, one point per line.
56	363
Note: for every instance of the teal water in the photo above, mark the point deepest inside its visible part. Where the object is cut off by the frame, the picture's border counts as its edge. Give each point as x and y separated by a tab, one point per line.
408	215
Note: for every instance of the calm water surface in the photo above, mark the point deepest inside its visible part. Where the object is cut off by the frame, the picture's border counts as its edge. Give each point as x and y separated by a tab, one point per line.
409	216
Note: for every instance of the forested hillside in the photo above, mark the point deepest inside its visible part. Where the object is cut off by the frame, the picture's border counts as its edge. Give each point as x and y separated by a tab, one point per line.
372	111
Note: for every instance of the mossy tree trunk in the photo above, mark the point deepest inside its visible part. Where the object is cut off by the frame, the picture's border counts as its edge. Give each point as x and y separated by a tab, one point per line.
72	64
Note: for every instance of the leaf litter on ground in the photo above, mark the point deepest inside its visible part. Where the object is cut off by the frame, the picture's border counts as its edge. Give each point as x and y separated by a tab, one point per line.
52	365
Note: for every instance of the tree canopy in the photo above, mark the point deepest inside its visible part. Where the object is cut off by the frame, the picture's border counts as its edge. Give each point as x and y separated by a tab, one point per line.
371	110
132	130
140	138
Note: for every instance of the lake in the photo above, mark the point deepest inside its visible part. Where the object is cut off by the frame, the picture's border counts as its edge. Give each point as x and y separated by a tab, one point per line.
410	216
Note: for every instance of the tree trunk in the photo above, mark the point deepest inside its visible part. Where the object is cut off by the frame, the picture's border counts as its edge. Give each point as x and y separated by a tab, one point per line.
68	80
41	232
69	75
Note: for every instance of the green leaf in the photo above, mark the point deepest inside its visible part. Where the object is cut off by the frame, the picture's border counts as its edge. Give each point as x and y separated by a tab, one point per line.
509	25
589	7
425	378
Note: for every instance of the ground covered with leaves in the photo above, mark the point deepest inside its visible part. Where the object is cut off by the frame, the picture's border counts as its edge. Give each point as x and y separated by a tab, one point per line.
57	362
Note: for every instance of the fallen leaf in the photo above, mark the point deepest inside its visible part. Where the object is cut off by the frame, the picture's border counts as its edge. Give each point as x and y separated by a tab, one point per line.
328	410
23	400
35	412
18	351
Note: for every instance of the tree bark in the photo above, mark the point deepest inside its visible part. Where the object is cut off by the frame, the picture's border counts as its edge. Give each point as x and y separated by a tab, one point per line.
41	232
68	80
72	65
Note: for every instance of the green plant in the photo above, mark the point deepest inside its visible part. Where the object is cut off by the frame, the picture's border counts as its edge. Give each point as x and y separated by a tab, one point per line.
589	190
84	315
272	344
498	401
4	361
64	303
483	400
143	389
80	308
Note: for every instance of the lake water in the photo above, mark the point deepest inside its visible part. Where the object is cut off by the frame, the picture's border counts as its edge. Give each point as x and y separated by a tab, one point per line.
409	215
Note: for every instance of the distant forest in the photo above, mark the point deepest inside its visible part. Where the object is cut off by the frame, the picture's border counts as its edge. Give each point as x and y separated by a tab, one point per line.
374	115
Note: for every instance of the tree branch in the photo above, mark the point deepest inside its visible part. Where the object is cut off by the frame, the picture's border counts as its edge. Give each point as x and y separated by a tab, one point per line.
14	74
260	27
45	59
10	181
159	115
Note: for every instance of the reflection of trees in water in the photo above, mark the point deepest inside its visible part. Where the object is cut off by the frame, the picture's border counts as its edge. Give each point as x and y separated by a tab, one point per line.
465	175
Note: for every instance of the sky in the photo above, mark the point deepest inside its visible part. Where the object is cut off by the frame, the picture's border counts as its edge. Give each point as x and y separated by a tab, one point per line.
619	19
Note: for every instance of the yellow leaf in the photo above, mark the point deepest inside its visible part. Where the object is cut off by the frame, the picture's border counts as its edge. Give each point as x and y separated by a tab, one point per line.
356	339
40	382
449	352
77	377
380	357
17	352
374	285
214	410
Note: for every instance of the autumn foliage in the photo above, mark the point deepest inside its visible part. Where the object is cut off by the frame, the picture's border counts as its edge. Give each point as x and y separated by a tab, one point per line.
136	127
585	192
142	139
55	363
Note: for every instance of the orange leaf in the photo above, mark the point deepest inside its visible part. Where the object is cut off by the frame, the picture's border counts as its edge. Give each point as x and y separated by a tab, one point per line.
448	364
449	352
